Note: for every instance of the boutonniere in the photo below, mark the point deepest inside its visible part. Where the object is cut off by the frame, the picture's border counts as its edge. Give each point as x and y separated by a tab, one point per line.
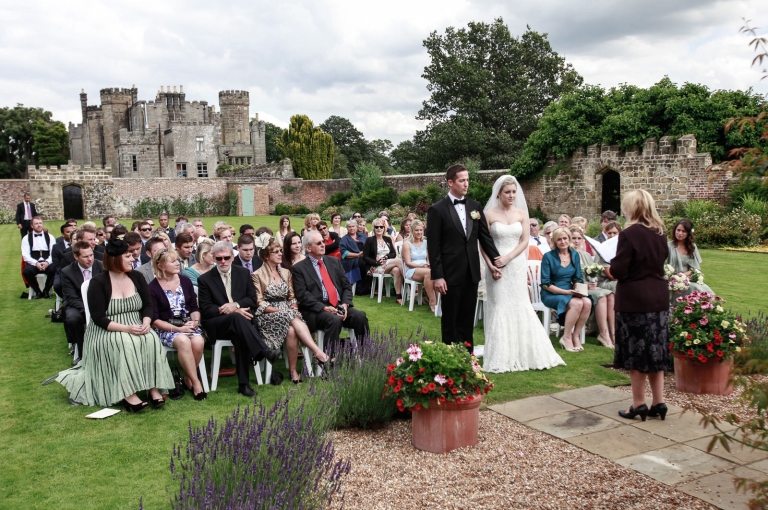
475	215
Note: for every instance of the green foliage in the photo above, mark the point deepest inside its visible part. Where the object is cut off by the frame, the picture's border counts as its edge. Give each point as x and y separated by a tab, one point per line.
51	143
7	216
286	190
197	205
480	188
434	192
272	134
309	148
410	198
336	200
367	178
300	209
627	115
348	139
340	165
375	200
756	187
20	128
715	228
539	214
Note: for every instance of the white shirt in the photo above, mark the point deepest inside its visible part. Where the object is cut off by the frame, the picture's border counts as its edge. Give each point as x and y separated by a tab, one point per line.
542	245
38	244
27	210
461	210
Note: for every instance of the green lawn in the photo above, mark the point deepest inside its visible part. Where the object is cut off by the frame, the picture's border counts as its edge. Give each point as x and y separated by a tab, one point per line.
54	458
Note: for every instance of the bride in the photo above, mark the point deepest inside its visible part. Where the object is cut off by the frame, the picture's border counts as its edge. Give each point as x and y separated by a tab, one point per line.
515	340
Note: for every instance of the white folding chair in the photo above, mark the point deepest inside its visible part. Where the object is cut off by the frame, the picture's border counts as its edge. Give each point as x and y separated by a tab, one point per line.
410	289
439	306
200	366
217	347
84	292
478	310
534	280
319	337
41	278
383	284
399	249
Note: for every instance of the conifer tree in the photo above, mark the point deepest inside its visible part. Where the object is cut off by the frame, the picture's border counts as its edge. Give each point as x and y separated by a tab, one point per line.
309	148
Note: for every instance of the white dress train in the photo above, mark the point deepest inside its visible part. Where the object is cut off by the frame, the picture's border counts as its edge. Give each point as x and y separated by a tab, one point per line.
515	339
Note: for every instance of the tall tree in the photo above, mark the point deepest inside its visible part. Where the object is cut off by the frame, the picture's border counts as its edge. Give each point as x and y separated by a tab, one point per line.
272	134
310	149
348	139
487	91
17	137
51	143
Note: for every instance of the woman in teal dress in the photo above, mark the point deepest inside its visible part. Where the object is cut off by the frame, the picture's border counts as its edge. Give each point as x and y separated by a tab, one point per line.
684	256
122	354
560	269
204	257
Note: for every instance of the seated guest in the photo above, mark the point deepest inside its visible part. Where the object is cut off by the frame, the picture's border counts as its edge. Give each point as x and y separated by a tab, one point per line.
310	223
133	240
200	233
226	301
180	220
145	231
72	278
87	234
277	313
185	227
293	250
535	239
557	288
119	232
684	255
581	222
416	261
217	226
605	280
108	220
351	248
204	257
108	233
263	230
153	246
405	231
122	354
185	248
336	225
136	226
197	223
324	293
285	228
380	257
224	233
57	253
605	218
100	235
247	229
549	227
246	248
564	221
605	316
162	235
164	221
176	317
37	250
331	240
362	227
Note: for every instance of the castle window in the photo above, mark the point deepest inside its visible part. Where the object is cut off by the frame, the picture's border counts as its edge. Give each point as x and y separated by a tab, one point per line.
134	163
181	169
202	169
199	144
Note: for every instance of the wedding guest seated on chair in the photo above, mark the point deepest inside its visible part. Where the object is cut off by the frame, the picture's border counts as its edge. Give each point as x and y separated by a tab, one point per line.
185	247
247	229
416	261
331	240
380	257
135	246
72	278
226	299
310	223
36	250
605	317
293	250
581	222
176	316
362	227
277	312
351	247
164	221
153	246
564	221
204	263
285	228
605	280
605	218
405	230
62	244
535	239
560	269
324	293
336	225
122	354
246	248
684	255
549	227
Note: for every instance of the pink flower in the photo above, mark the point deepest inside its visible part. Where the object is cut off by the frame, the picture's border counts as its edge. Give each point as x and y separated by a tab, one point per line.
731	335
688	310
414	352
677	321
704	321
440	379
475	365
680	299
400	361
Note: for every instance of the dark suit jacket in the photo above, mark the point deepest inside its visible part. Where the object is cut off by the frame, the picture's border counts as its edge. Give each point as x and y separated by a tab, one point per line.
57	254
371	248
67	258
308	288
71	280
452	252
256	262
639	268
98	252
212	294
20	211
600	238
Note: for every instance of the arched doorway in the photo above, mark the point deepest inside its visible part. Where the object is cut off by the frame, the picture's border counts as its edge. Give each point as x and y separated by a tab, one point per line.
73	202
611	192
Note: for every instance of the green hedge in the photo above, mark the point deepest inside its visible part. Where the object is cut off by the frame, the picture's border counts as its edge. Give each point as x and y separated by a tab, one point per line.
281	209
197	205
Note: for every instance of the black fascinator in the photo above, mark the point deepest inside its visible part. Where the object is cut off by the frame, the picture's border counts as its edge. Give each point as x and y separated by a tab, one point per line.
116	247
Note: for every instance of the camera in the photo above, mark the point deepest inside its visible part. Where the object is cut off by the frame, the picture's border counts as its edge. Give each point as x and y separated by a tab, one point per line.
178	321
340	311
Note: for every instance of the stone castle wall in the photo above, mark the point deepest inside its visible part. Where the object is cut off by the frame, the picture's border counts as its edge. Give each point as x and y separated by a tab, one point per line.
12	192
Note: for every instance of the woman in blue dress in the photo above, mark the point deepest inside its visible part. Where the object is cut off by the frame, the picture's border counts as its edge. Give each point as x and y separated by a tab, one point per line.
351	249
560	269
416	261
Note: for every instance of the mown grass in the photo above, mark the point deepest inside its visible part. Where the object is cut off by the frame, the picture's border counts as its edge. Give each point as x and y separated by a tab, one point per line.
52	457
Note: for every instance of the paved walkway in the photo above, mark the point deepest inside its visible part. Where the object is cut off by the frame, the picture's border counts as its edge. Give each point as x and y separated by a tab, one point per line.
673	451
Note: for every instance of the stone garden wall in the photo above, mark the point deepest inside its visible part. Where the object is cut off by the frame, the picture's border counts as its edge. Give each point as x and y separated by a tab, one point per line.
12	192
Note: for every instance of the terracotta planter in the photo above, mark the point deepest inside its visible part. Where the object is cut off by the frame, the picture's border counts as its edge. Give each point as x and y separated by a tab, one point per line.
710	377
447	426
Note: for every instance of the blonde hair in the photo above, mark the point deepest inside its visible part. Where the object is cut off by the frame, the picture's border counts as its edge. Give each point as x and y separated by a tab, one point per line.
88	223
204	246
556	233
414	224
308	220
639	207
576	229
161	234
579	221
163	257
220	230
378	222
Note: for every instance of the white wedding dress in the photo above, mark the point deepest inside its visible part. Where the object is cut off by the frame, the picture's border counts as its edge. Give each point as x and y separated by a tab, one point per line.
515	339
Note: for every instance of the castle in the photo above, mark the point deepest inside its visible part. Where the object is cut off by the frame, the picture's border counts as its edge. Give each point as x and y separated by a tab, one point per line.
167	137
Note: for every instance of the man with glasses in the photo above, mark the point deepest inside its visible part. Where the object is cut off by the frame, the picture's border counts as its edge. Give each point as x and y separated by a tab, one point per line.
145	231
226	299
357	216
534	239
246	249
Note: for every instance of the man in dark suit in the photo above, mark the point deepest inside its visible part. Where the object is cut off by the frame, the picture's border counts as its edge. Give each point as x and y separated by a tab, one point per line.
226	298
86	234
605	218
164	220
62	244
153	245
323	292
456	223
246	248
25	211
72	277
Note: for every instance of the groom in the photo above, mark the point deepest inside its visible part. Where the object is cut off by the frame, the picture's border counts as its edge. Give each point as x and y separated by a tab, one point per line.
455	224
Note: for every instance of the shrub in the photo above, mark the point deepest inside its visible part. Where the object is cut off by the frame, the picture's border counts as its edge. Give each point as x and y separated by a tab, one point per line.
757	331
366	179
380	199
337	199
696	209
737	228
539	214
422	208
755	187
7	216
196	205
397	213
411	197
294	210
434	192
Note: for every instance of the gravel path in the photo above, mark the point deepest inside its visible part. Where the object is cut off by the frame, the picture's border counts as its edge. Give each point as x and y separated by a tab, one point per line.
511	467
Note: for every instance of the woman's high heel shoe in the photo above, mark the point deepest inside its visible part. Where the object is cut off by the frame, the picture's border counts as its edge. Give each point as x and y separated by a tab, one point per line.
604	343
160	402
659	410
562	344
134	408
642	411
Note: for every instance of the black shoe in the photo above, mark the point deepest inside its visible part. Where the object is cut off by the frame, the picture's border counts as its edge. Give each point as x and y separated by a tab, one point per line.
160	402
658	410
272	355
642	411
245	389
76	361
134	408
203	395
73	403
36	296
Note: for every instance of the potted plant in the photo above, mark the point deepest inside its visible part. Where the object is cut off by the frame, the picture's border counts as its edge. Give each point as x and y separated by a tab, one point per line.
703	340
443	385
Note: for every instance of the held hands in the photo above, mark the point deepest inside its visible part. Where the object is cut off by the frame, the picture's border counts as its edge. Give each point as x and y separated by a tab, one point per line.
496	273
188	327
41	266
500	261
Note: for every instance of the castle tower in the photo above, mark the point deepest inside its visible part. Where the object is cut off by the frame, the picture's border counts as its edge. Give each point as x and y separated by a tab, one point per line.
115	103
259	141
84	105
234	105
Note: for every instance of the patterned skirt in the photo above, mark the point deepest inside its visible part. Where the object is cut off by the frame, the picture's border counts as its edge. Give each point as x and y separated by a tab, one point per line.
642	341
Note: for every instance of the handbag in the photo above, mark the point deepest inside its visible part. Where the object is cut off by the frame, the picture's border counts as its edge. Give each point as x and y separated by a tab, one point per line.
177	321
178	391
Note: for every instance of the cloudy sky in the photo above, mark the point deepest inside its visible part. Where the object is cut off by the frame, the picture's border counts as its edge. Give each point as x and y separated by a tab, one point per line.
358	59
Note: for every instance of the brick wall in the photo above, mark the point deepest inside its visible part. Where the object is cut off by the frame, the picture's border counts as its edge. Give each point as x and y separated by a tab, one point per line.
12	192
129	191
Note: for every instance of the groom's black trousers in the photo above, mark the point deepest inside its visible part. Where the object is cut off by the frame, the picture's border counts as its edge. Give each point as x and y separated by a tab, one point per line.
458	306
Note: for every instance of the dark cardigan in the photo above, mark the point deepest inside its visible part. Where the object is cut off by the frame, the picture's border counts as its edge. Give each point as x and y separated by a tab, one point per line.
161	307
370	249
100	293
639	268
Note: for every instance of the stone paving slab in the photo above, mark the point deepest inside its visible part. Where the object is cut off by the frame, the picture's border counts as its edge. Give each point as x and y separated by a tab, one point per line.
620	442
678	427
532	408
572	423
590	396
718	489
676	464
760	466
739	453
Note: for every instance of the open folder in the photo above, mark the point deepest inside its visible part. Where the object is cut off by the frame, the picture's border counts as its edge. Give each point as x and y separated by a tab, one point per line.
606	250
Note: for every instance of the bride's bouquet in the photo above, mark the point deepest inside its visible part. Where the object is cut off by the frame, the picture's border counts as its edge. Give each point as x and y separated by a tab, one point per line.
669	270
678	282
593	271
696	276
